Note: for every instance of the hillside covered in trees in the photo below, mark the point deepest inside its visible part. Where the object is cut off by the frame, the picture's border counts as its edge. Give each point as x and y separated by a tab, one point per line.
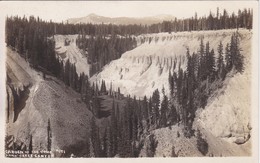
130	120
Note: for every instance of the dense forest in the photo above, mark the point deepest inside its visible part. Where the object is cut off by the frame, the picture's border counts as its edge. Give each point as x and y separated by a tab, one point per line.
100	50
224	20
190	88
32	37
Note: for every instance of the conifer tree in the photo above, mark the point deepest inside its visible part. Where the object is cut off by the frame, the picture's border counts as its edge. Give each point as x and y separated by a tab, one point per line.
95	138
228	58
164	109
172	116
118	92
238	57
30	145
220	62
211	65
201	68
155	107
179	84
49	136
107	144
206	62
114	128
145	108
151	149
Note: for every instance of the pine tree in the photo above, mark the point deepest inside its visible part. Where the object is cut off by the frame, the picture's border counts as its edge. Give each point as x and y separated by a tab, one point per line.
150	110
188	95
67	73
228	58
49	136
110	89
164	109
155	107
190	66
184	100
114	129
171	83
113	145
234	59
238	57
172	116
24	47
96	89
82	85
206	62
211	65
89	91
145	109
107	144
30	145
102	86
201	68
118	93
151	148
220	62
233	51
179	84
95	139
104	89
134	120
34	52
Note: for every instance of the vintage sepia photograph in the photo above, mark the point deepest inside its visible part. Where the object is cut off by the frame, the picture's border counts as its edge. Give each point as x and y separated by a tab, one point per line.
129	79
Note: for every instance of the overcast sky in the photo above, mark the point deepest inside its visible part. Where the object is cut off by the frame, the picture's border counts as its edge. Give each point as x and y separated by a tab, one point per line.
61	11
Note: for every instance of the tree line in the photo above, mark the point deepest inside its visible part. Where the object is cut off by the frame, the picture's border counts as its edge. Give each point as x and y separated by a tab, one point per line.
241	19
217	21
31	37
102	49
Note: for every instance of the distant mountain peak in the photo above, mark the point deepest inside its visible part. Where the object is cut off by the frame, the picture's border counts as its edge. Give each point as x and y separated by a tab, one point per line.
97	19
93	14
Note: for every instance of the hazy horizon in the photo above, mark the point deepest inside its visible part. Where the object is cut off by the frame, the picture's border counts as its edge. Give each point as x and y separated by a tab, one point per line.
61	11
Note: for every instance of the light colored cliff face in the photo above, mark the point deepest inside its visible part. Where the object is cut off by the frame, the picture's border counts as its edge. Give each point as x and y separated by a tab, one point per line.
71	53
228	112
47	99
225	121
142	70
